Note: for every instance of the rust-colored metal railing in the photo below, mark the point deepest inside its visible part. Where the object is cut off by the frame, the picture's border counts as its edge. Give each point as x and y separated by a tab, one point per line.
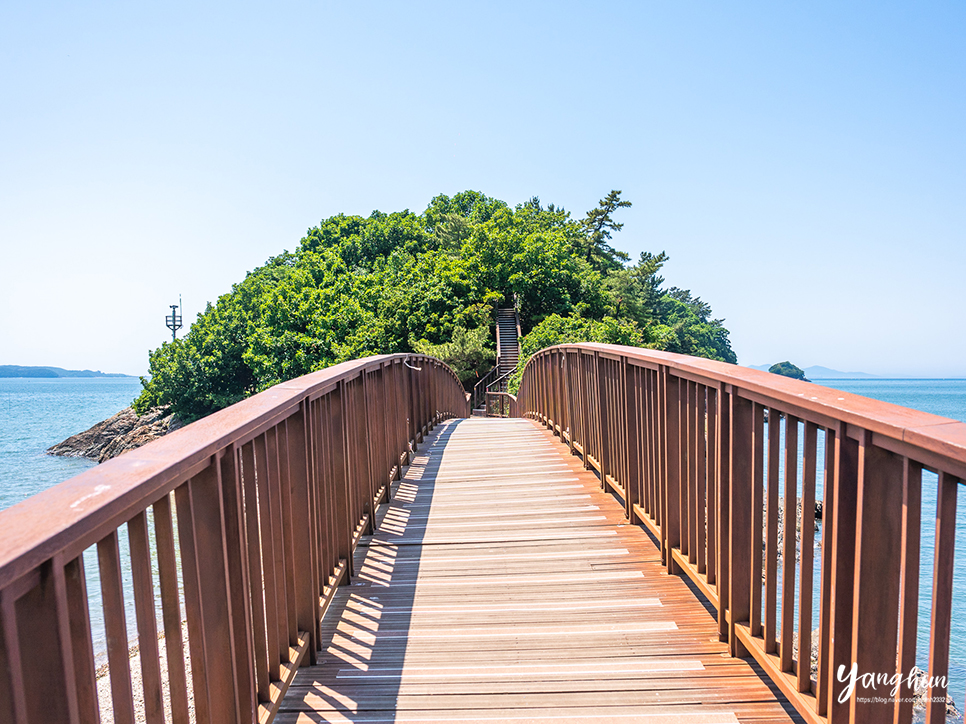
261	503
712	458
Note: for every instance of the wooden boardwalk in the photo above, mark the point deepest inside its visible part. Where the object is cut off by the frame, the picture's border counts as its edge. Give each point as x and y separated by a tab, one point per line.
504	585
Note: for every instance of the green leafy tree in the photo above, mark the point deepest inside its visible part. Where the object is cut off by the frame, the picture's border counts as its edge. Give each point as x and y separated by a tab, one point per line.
468	352
598	226
556	330
401	281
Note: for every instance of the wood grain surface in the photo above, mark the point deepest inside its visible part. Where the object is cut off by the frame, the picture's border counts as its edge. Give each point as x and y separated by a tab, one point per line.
503	584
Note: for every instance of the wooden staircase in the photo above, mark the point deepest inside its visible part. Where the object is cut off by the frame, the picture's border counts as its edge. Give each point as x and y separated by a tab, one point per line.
507	342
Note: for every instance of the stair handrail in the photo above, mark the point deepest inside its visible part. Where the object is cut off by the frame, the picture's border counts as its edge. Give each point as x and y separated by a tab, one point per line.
500	379
480	395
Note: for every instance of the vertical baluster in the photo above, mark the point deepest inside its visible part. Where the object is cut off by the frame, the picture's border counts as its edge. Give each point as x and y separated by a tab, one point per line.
701	451
288	531
372	486
723	504
330	493
877	563
304	538
788	554
267	518
942	597
632	438
688	502
140	548
740	572
65	678
208	534
673	472
624	422
804	671
757	503
391	418
281	558
313	431
714	510
825	582
239	586
771	535
568	400
82	647
909	577
603	458
255	556
660	451
650	446
384	405
340	474
14	699
112	596
647	440
842	569
41	658
171	610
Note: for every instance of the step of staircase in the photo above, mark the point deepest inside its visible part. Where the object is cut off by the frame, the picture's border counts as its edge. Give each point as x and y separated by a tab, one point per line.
506	330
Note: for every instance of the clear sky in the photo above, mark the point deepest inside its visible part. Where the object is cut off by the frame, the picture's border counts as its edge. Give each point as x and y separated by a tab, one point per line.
803	164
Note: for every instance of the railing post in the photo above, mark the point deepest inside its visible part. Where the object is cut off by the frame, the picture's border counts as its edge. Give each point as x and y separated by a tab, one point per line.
942	597
83	650
723	500
203	557
632	435
36	650
306	542
236	554
877	559
845	479
672	467
739	551
909	597
568	393
602	431
342	479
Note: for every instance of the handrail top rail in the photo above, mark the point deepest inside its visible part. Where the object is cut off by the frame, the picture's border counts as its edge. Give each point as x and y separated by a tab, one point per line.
84	508
940	435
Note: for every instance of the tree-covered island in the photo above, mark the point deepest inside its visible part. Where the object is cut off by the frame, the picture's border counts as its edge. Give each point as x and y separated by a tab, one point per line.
429	282
787	369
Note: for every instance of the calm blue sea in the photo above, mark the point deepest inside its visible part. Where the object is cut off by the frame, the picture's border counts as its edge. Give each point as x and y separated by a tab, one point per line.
36	413
946	397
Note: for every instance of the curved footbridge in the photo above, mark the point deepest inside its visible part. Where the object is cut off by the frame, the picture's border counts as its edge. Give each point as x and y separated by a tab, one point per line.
348	547
503	584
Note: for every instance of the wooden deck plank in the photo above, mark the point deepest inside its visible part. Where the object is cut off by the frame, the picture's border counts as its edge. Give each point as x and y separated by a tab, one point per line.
503	584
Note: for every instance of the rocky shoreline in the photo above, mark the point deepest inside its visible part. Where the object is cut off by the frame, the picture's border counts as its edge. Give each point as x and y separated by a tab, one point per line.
121	432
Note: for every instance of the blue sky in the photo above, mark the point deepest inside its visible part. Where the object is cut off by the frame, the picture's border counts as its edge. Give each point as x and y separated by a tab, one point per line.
803	164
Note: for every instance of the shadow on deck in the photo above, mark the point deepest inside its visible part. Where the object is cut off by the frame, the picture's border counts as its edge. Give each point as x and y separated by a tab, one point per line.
504	585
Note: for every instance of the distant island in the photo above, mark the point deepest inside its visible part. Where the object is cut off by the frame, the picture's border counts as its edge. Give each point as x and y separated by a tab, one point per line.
817	372
787	369
51	372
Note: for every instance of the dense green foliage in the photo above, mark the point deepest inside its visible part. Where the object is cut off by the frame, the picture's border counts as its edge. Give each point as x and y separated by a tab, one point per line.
787	369
469	352
429	282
